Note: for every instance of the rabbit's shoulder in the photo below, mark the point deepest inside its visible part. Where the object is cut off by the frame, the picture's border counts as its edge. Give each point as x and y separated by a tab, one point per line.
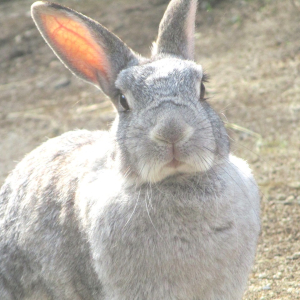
56	161
242	189
240	173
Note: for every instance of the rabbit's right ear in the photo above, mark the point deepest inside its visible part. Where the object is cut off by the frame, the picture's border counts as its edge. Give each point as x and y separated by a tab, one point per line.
84	46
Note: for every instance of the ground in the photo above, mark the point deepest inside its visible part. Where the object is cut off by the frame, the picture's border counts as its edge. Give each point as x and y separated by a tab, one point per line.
250	49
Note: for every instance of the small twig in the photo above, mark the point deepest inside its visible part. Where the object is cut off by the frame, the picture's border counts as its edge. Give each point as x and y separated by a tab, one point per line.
243	129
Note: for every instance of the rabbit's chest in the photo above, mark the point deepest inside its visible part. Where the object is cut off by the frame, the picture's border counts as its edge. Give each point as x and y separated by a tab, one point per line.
170	244
176	233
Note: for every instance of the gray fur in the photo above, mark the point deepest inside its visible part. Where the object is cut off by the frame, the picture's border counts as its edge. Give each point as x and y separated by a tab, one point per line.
176	30
156	208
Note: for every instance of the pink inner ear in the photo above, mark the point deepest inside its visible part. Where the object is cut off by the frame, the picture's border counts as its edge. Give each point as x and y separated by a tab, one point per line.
74	42
190	29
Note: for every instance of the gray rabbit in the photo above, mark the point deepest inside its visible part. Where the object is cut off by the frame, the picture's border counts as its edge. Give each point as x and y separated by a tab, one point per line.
156	208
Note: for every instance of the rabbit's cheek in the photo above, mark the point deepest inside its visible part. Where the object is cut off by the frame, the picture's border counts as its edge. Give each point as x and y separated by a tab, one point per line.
203	160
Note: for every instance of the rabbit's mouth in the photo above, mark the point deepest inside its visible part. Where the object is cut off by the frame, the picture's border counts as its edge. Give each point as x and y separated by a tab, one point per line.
174	164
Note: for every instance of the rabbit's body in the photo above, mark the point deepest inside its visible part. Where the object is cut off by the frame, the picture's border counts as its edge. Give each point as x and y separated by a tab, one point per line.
155	209
187	237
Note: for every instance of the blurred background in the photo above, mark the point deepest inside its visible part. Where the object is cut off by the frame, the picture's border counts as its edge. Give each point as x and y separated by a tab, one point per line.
250	49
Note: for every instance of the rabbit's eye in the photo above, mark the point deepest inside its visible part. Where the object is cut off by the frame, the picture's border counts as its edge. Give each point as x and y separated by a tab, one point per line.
123	102
202	91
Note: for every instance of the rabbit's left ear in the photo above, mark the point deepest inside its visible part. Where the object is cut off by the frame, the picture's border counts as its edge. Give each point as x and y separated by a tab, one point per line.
177	29
84	46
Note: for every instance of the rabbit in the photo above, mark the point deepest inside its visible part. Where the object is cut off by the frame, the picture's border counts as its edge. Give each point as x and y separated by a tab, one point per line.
156	208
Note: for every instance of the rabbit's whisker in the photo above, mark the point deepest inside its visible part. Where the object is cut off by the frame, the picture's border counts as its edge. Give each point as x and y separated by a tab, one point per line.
135	206
148	213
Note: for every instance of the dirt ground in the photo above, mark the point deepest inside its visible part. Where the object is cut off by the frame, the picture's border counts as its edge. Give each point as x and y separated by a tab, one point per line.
250	49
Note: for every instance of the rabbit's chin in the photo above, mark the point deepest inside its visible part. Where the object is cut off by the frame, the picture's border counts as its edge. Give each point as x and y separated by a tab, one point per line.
156	171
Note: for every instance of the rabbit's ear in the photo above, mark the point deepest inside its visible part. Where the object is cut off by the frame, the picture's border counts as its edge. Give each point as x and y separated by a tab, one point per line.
85	47
177	28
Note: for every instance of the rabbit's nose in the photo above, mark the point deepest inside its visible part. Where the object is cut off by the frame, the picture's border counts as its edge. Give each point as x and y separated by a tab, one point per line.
171	131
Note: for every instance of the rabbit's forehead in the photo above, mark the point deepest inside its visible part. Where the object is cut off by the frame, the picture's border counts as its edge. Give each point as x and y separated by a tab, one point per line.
169	75
170	67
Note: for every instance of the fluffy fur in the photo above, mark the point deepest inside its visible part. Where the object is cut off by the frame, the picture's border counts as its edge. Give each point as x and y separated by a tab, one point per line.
156	208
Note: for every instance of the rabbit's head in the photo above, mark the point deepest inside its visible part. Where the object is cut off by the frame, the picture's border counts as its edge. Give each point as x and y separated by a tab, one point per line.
164	126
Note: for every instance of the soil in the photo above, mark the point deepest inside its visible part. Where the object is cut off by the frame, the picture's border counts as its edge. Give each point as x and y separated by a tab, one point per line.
250	49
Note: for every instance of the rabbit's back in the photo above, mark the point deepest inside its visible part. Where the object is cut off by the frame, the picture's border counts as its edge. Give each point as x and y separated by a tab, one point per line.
42	246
